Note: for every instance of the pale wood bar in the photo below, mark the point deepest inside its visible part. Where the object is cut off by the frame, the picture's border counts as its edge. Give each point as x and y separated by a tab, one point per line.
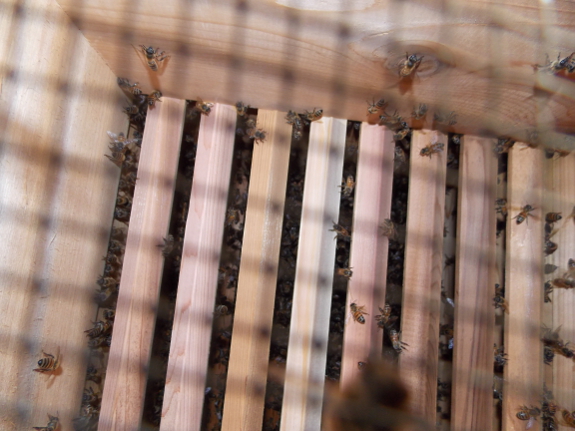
189	351
422	274
472	392
125	386
369	248
247	373
307	348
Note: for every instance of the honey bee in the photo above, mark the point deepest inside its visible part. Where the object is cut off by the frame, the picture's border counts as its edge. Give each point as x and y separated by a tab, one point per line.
528	414
568	417
501	207
524	214
100	328
375	106
130	89
419	112
401	134
499	299
340	231
87	420
153	97
550	247
397	344
552	217
564	283
131	110
242	109
385	318
220	310
345	272
168	246
124	201
93	375
499	356
259	135
431	149
314	115
48	363
503	145
293	118
154	56
548	290
555	66
552	340
347	186
393	121
122	215
203	107
548	355
52	424
358	312
89	397
389	229
449	119
409	65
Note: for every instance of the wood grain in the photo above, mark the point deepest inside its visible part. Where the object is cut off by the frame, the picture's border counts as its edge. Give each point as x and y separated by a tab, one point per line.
422	274
295	55
523	286
372	205
125	386
57	193
249	351
472	390
309	330
559	192
188	361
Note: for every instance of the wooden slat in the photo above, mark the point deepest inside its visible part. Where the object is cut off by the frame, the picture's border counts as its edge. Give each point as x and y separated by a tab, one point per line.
307	348
422	274
472	393
369	248
188	361
523	286
57	193
124	389
560	181
249	351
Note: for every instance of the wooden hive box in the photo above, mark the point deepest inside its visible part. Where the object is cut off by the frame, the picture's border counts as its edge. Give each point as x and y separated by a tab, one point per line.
59	96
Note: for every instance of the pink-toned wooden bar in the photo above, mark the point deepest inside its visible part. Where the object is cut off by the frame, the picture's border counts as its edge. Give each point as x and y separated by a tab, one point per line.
188	360
124	390
422	274
472	392
249	351
369	248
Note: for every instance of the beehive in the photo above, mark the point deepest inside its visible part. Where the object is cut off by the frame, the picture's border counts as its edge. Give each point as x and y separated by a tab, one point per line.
58	97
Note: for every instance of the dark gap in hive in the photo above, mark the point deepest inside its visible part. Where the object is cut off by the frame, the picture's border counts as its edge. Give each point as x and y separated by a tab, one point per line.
396	250
99	340
447	309
222	326
172	251
286	278
342	253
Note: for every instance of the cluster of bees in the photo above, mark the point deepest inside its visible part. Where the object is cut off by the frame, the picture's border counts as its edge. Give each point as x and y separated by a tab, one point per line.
548	410
299	121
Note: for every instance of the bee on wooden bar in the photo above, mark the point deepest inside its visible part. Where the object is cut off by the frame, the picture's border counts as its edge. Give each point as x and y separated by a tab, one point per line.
130	89
204	107
548	290
389	229
106	282
385	318
48	363
397	344
409	65
340	231
548	406
314	115
153	97
345	272
347	186
499	299
503	145
154	56
259	135
552	217
555	66
401	134
499	356
529	414
392	121
52	424
242	109
449	119
419	112
564	283
431	149
375	106
524	214
293	118
551	339
100	328
550	247
357	312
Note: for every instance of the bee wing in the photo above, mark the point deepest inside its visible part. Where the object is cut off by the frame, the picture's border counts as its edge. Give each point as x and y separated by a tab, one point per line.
113	136
530	422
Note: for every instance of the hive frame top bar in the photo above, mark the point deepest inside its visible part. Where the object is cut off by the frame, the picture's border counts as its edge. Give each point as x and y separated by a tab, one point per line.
478	58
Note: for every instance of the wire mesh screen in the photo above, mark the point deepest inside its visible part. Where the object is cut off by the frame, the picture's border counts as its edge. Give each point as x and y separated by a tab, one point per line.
291	215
